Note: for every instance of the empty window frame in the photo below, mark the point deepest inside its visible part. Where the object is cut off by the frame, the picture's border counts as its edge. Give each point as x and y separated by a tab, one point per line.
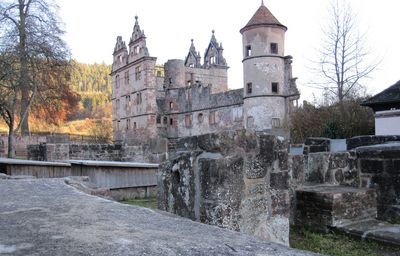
249	88
127	101
248	51
138	98
200	118
138	72
274	48
188	120
117	104
117	81
171	105
126	77
136	50
128	124
276	122
274	87
211	118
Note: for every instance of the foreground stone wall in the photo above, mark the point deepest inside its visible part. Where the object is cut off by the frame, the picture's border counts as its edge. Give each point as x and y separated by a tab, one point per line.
380	169
237	180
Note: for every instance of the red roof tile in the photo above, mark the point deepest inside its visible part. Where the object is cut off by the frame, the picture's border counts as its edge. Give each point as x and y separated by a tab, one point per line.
262	17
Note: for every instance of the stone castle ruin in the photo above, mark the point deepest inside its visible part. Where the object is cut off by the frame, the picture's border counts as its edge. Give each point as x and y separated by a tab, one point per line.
190	97
224	154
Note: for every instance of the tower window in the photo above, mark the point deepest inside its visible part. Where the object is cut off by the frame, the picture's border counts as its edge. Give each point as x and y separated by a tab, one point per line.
158	120
200	118
274	48
211	117
128	124
136	50
171	105
249	88
171	121
212	60
276	122
275	87
165	120
188	120
134	126
248	50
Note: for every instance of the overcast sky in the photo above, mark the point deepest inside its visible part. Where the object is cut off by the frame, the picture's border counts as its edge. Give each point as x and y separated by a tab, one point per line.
93	25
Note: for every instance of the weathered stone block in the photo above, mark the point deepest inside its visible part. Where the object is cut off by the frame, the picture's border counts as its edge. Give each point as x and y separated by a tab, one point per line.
279	180
371	166
322	207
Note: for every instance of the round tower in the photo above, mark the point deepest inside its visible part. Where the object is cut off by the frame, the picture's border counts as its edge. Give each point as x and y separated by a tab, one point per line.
265	72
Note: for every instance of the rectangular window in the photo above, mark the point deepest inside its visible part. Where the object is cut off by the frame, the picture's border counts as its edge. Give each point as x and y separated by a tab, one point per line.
134	126
117	104
276	122
188	120
136	50
274	48
138	98
171	105
126	77
211	117
117	81
165	121
248	51
118	124
127	101
249	88
158	120
275	87
138	73
171	121
128	124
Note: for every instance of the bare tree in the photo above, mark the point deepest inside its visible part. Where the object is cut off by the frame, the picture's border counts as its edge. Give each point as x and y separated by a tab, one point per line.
344	58
32	54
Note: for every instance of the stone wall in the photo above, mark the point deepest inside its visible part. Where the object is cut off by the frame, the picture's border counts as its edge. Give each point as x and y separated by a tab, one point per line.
237	180
359	141
152	152
380	168
339	168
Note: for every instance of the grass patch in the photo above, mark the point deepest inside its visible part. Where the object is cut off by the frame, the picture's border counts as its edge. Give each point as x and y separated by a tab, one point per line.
338	244
143	202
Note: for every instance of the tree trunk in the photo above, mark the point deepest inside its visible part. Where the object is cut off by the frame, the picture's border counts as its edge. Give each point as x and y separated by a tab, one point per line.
23	82
11	142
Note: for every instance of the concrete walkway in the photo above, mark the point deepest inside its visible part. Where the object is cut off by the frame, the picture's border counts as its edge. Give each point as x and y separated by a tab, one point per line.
48	217
373	229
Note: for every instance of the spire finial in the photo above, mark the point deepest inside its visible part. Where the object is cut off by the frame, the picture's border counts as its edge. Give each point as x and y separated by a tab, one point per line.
262	2
213	31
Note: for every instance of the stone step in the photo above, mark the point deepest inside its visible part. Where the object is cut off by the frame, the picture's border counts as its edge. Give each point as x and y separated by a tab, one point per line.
372	229
323	207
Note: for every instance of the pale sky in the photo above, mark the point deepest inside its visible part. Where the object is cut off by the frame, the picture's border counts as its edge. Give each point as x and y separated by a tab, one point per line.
93	25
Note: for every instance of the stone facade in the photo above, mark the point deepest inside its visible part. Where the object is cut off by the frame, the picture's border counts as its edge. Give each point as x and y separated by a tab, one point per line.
190	97
237	180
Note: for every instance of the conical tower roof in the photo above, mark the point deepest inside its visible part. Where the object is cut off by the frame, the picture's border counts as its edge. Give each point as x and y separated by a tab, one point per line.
262	17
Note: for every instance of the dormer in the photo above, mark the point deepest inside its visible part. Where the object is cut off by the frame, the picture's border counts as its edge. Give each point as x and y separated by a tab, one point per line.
213	55
137	43
193	58
120	54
